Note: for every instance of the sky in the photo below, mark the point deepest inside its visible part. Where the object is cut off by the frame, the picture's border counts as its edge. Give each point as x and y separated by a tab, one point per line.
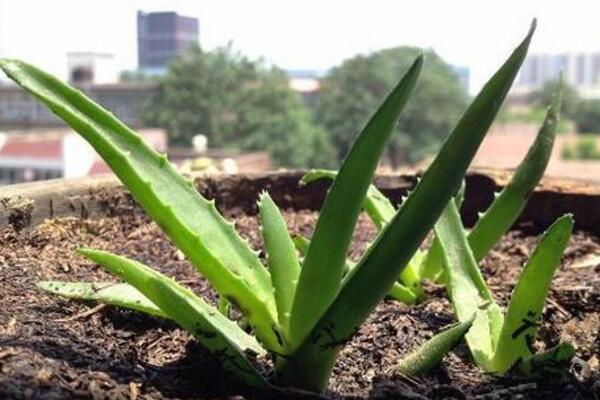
306	34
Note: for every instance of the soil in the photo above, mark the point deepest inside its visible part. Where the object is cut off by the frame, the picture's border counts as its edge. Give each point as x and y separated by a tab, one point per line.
52	348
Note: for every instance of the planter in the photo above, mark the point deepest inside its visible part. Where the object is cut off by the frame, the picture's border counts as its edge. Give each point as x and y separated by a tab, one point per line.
52	348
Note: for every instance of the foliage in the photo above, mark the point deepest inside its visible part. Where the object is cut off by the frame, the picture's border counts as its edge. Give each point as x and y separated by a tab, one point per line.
500	342
304	333
584	148
351	90
237	103
587	116
570	98
490	227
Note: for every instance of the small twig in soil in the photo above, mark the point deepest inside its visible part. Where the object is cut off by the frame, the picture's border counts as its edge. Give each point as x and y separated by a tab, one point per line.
559	308
84	314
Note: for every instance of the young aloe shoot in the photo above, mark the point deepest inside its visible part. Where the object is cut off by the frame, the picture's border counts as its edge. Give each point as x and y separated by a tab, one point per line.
501	341
492	224
303	332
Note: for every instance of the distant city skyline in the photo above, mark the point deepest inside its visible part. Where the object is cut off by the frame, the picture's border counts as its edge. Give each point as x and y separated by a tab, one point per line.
314	35
580	70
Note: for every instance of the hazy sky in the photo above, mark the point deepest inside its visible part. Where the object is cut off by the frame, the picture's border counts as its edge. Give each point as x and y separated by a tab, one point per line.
305	34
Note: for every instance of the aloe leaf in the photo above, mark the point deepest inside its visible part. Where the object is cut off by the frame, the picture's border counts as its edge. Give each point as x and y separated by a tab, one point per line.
465	294
192	222
379	208
430	353
403	294
381	211
116	294
281	256
528	298
323	265
301	243
510	202
548	365
379	268
398	291
227	342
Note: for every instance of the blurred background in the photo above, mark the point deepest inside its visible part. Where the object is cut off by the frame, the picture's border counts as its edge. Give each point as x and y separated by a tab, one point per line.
238	86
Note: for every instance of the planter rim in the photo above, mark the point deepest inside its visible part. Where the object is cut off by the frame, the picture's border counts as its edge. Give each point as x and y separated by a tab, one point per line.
27	204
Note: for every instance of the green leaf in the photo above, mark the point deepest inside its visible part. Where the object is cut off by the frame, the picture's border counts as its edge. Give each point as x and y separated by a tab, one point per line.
227	342
324	263
381	211
548	365
510	202
398	291
527	302
432	351
403	294
466	296
507	206
282	259
116	294
379	208
379	268
192	222
301	244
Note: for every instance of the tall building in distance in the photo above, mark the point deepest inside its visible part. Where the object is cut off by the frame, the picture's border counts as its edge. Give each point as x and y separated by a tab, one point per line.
581	70
161	37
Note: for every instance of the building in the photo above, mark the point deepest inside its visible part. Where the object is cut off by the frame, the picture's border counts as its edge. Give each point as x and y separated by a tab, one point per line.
41	154
161	37
86	68
19	109
581	70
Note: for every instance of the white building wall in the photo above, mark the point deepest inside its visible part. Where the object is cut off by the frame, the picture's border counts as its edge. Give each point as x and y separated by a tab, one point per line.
102	64
78	156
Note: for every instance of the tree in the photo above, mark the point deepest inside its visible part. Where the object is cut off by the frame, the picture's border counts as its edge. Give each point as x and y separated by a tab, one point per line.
571	101
351	91
237	103
587	116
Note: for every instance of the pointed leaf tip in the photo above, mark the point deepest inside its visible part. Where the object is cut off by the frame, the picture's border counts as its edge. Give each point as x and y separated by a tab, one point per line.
533	26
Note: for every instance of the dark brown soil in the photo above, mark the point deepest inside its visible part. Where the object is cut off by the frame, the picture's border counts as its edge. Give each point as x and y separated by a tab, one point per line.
56	349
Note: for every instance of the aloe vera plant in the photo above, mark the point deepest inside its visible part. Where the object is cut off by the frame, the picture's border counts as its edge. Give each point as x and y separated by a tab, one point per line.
301	313
491	225
502	341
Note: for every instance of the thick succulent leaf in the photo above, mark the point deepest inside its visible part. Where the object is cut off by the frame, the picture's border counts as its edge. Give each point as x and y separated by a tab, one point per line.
379	208
398	291
379	268
528	298
116	294
324	262
403	294
282	259
508	204
548	365
430	353
381	211
302	243
192	222
221	336
465	294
